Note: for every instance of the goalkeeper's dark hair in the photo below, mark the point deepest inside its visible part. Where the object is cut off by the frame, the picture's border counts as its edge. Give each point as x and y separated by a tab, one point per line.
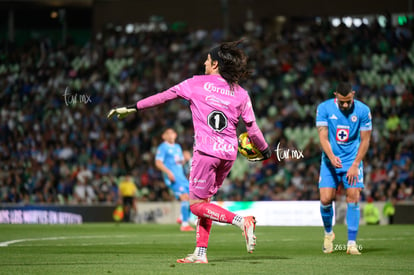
344	88
232	62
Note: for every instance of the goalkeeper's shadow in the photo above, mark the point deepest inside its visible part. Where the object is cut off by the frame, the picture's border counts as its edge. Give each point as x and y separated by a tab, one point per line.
252	259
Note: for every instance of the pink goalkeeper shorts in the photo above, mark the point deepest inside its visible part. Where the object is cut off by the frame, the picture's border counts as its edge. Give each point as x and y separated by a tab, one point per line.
207	175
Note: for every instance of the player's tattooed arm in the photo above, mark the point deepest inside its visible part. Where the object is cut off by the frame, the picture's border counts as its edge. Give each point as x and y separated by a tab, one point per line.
323	137
322	129
326	146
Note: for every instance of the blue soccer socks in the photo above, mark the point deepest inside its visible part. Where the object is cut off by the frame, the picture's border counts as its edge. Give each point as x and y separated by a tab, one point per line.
327	215
352	220
185	210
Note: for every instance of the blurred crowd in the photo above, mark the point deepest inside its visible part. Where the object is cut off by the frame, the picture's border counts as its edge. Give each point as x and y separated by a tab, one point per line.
57	145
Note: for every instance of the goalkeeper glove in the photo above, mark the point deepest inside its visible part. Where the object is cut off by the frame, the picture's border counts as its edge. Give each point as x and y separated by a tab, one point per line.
122	112
265	154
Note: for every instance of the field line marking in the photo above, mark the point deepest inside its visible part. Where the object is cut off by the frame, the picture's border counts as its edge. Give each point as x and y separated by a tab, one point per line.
7	243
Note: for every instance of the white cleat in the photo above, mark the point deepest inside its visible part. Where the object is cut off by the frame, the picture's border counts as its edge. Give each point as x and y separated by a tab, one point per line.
328	243
248	232
193	259
353	250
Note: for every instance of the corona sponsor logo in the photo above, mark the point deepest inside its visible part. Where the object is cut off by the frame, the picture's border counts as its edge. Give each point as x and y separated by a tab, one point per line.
210	87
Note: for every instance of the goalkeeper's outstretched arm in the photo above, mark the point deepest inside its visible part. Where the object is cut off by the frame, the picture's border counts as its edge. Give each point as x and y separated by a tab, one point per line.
145	103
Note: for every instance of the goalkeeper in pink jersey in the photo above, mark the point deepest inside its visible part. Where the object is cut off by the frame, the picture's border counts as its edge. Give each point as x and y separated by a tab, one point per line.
217	101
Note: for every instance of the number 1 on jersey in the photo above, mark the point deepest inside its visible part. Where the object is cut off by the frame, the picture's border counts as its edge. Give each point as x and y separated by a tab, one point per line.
217	121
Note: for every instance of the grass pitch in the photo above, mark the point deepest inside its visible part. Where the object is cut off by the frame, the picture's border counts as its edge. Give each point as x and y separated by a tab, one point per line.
153	249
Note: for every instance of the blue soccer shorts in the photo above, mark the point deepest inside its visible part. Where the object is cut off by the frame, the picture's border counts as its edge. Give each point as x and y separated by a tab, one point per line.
179	187
331	177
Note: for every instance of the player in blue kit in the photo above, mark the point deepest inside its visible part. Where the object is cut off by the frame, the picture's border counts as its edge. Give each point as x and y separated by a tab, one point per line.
170	161
344	126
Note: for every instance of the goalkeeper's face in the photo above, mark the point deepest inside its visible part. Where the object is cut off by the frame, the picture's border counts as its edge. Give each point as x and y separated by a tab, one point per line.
211	67
169	136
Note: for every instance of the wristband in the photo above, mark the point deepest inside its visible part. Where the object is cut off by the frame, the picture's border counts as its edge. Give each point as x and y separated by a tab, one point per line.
132	107
266	153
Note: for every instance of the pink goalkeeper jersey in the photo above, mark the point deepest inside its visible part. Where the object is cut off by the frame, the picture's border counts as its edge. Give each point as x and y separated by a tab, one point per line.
216	111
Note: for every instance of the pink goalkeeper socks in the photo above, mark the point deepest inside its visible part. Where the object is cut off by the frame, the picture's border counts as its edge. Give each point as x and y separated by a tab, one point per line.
206	213
203	231
213	212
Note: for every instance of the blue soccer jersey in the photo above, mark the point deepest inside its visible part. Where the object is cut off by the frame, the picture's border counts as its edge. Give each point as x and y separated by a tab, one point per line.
172	157
343	129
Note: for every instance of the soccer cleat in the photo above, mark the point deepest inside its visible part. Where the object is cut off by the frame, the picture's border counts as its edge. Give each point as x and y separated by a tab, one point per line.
328	243
248	232
178	220
186	228
353	250
193	259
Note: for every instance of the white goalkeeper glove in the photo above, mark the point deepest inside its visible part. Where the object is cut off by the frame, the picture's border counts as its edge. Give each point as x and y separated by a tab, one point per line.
122	112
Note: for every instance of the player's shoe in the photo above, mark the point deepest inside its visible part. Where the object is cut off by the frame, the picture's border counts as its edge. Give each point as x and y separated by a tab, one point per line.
248	231
328	243
353	250
193	259
186	228
178	220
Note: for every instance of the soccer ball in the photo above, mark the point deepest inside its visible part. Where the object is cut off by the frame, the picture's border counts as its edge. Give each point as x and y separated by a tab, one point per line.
118	213
247	148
